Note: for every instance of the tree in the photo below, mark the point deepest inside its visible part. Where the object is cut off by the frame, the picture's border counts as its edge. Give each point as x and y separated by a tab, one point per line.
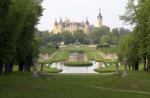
130	15
17	27
79	35
140	17
105	40
98	33
67	37
4	10
33	12
56	38
115	32
43	37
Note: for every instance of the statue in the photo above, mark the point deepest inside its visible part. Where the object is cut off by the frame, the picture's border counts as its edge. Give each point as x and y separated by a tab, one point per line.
125	73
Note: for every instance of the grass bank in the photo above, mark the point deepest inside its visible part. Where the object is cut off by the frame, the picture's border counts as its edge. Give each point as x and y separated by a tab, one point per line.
23	85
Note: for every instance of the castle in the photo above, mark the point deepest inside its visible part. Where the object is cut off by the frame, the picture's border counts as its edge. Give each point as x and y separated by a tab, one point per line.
69	26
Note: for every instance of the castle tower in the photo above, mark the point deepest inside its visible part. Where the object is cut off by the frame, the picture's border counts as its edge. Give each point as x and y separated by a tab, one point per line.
60	26
55	27
99	20
86	30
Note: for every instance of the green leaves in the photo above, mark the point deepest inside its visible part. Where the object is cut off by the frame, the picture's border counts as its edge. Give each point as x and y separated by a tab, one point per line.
18	19
136	47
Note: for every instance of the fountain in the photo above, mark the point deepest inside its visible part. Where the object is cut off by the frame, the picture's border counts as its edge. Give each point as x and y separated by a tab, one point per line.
76	57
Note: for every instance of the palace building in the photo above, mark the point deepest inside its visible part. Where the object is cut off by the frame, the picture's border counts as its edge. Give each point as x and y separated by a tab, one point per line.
66	25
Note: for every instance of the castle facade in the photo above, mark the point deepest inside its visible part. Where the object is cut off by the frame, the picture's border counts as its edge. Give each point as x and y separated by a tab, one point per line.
69	26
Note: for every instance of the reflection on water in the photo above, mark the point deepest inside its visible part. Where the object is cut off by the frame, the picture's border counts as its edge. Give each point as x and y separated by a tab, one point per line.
66	69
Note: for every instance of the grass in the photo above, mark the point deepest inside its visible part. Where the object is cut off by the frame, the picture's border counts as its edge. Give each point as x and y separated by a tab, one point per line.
111	68
60	56
46	69
23	85
78	64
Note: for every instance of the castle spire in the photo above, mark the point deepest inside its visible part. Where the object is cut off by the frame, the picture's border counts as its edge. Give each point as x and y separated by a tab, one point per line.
99	15
99	19
87	22
99	10
56	22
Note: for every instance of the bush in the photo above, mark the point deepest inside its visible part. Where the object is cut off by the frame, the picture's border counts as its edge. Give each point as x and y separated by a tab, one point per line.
78	64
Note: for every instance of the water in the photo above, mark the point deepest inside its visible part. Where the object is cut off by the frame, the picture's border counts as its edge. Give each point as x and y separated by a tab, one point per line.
66	69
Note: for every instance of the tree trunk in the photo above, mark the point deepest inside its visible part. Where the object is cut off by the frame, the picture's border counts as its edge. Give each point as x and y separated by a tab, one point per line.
129	67
148	65
27	68
144	64
137	65
6	69
20	68
1	68
10	67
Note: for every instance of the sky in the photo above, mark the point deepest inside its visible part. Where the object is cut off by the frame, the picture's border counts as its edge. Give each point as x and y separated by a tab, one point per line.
78	10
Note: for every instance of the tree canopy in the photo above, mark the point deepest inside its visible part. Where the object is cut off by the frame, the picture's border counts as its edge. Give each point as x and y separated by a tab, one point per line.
138	46
18	20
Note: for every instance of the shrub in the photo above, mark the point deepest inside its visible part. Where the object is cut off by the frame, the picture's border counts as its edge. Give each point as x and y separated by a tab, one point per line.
78	64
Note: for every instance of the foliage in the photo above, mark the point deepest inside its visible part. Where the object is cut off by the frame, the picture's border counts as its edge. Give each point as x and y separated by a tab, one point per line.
18	19
49	48
138	14
67	37
77	64
43	37
98	33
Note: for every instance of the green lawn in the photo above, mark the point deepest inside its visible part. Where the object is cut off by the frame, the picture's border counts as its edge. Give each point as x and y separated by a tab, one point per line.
46	69
23	85
110	68
60	56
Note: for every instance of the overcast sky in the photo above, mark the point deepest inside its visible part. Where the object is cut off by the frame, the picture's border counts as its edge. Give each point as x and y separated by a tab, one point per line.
78	10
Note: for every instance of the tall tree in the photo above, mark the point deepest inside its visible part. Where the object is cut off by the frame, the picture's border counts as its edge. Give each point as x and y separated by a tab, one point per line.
4	10
33	12
17	26
138	14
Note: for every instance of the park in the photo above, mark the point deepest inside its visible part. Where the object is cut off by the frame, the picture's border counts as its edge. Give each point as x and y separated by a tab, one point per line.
75	58
61	85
